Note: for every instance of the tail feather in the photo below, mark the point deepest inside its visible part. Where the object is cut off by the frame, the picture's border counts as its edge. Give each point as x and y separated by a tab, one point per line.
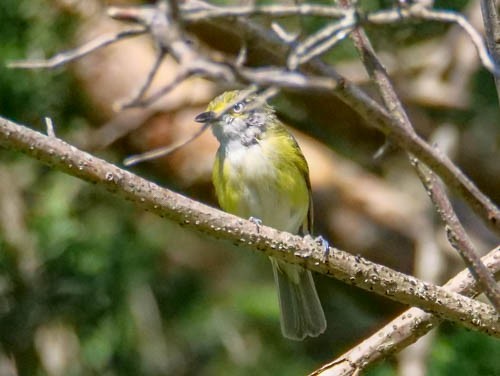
301	311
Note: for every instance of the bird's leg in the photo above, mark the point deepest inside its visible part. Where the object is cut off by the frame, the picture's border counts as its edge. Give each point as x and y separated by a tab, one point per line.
324	244
257	222
320	240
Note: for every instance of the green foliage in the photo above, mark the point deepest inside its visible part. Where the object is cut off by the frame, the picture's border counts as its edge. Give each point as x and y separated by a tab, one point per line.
456	352
34	29
141	295
460	352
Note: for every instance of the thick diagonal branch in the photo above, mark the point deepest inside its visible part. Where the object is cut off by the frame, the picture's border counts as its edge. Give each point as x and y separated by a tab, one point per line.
404	330
294	249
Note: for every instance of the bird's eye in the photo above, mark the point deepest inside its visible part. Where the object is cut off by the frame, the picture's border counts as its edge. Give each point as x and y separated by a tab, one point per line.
238	107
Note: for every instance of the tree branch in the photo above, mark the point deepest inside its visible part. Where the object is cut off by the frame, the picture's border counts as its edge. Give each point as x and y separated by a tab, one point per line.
199	11
404	330
167	34
327	80
458	237
293	249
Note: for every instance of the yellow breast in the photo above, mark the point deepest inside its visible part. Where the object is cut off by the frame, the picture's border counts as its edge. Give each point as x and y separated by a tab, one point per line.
263	181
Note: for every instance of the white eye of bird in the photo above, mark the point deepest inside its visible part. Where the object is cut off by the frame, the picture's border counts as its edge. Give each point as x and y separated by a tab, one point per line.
238	107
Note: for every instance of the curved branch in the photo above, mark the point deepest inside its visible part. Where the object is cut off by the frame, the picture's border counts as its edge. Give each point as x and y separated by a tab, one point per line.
404	330
290	248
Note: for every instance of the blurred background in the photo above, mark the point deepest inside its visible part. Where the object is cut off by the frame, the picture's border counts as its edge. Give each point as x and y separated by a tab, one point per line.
91	285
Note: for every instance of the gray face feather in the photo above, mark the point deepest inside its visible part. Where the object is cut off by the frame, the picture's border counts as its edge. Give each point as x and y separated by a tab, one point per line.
245	127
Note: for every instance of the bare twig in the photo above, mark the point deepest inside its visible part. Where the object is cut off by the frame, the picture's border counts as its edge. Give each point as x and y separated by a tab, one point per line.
50	127
136	99
322	41
406	329
293	249
379	75
241	59
163	151
197	11
456	180
139	101
287	37
492	28
419	12
475	37
87	48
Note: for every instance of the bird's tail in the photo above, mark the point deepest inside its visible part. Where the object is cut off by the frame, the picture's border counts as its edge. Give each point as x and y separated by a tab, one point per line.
301	311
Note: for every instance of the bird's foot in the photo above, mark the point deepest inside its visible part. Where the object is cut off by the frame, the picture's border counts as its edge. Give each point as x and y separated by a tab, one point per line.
256	221
320	240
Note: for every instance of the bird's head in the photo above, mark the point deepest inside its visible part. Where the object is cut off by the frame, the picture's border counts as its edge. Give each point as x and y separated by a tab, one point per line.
238	116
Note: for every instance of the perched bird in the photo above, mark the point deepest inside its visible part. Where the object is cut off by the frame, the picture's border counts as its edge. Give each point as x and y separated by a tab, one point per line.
260	172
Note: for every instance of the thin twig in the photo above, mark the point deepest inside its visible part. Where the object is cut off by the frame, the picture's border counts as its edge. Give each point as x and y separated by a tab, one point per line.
241	59
163	151
460	20
85	49
293	249
322	41
420	13
136	99
50	127
179	78
197	11
287	37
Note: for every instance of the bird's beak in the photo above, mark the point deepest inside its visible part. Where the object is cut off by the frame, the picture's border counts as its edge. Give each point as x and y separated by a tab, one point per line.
205	117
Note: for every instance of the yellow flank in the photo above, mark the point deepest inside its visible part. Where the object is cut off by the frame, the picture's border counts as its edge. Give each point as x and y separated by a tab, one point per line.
267	180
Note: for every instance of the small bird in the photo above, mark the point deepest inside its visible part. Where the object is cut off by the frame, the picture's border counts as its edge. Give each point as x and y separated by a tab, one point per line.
261	173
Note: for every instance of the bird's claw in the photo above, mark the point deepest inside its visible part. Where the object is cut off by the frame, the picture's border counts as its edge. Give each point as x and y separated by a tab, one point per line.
325	245
256	221
320	240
